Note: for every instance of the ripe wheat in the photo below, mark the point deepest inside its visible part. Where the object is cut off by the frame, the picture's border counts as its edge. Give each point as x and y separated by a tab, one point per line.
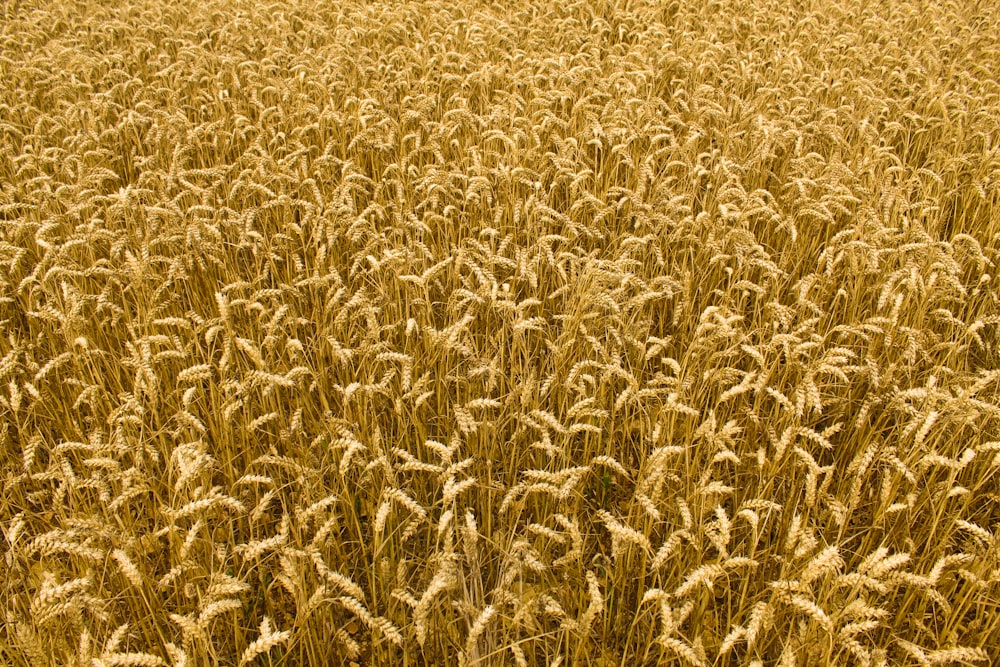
480	333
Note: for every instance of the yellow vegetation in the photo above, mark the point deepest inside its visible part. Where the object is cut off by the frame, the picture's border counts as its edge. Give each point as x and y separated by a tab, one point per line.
526	333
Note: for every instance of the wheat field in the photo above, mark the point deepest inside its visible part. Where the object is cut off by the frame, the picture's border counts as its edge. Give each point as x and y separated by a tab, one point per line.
526	333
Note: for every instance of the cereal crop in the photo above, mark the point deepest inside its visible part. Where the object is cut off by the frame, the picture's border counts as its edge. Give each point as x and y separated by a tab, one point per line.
604	332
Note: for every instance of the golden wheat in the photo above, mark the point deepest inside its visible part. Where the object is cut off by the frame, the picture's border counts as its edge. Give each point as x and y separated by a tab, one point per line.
492	333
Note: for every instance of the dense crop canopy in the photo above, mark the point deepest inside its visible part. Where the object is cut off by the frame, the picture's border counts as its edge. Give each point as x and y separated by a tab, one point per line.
534	333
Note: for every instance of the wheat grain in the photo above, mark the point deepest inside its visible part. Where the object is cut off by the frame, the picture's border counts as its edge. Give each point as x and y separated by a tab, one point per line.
268	639
391	319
